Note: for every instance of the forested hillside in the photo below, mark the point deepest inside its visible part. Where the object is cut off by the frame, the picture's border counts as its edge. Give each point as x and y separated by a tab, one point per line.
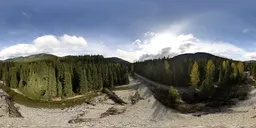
31	58
47	78
213	76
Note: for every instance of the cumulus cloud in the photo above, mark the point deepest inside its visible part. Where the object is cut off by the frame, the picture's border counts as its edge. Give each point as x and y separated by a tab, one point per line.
250	56
60	46
159	45
170	44
165	52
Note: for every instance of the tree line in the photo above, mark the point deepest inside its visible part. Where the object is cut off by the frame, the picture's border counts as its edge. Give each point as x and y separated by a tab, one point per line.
63	77
214	76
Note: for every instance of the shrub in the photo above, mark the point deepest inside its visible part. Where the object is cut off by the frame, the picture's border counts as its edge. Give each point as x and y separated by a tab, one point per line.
174	95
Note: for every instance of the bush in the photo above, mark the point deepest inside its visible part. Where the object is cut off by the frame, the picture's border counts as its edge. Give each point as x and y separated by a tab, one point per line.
174	95
242	94
254	84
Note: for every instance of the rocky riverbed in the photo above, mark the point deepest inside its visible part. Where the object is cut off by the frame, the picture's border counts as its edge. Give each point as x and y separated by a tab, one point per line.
147	112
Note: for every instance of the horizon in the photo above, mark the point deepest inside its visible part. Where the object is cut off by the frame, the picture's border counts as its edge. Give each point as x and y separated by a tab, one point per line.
168	57
125	30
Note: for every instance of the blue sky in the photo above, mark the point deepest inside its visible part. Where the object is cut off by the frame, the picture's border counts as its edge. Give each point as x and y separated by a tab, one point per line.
110	27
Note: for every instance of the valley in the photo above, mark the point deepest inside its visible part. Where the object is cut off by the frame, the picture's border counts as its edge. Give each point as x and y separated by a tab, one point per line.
93	91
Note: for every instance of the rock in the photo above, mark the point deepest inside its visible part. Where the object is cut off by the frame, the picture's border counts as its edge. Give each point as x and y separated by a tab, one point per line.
253	116
113	111
135	98
80	120
4	111
197	114
90	103
98	99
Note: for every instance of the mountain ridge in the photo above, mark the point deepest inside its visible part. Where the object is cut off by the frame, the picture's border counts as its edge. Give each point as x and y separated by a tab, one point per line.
46	56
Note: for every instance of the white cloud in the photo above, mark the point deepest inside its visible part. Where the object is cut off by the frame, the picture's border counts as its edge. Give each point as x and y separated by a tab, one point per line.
250	56
149	34
73	40
60	46
136	42
169	44
248	30
157	46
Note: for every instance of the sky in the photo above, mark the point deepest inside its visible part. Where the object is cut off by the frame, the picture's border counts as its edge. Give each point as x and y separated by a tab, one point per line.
133	30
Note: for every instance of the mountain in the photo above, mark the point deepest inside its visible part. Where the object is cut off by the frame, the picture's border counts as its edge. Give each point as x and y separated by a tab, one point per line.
36	57
117	60
44	56
198	55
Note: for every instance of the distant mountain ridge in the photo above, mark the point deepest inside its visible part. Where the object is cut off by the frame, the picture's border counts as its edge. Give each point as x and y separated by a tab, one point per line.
197	55
45	56
36	57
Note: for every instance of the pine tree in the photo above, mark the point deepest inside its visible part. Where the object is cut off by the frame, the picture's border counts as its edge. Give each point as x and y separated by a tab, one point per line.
106	78
210	68
166	66
132	70
89	79
166	74
13	81
52	82
240	67
220	75
67	84
207	89
110	77
115	75
234	71
194	75
100	79
59	89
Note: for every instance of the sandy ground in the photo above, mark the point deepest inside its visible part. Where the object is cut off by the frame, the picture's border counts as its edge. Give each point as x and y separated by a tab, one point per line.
146	113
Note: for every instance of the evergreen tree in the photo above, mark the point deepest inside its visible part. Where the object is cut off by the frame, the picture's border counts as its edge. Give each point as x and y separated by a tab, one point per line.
220	75
240	67
166	66
111	80
210	68
166	75
89	79
52	82
207	89
106	78
100	79
13	81
67	84
234	71
83	82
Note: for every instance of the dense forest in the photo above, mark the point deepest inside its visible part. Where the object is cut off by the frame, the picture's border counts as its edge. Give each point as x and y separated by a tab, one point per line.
45	77
54	77
213	76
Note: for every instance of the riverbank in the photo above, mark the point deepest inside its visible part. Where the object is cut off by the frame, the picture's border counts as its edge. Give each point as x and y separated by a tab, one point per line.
54	99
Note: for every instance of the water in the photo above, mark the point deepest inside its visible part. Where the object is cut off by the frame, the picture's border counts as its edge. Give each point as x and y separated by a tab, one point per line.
20	99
